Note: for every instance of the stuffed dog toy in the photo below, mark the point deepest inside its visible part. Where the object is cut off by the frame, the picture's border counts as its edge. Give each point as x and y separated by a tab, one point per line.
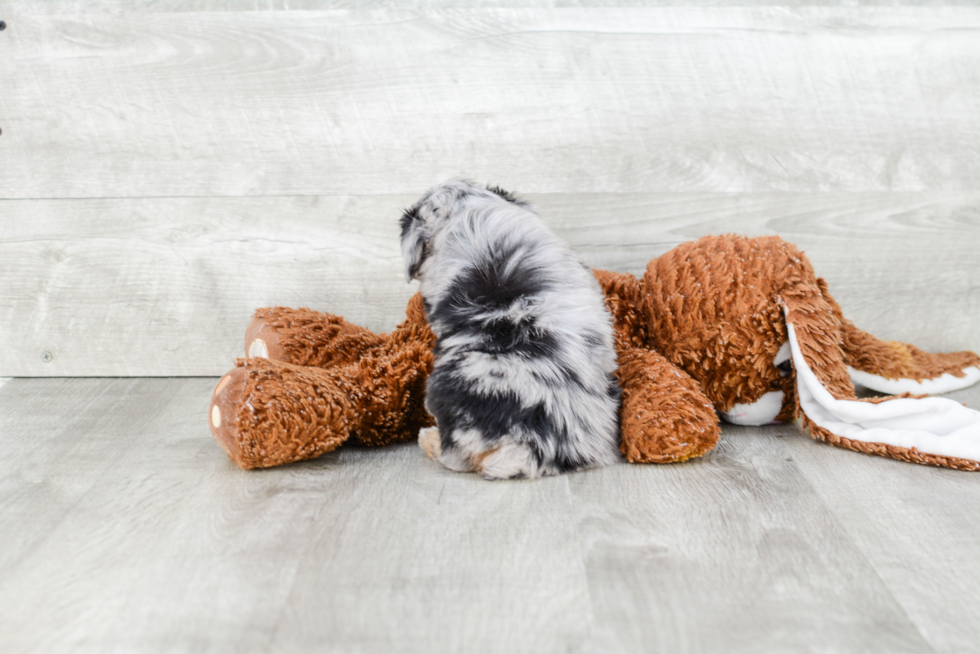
729	325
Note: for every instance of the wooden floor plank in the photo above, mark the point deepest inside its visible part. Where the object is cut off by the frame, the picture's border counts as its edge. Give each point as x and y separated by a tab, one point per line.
174	547
123	527
733	553
917	527
413	558
158	540
56	7
54	453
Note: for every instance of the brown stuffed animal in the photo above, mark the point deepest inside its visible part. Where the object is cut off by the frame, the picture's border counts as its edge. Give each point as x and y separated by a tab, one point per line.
730	323
313	381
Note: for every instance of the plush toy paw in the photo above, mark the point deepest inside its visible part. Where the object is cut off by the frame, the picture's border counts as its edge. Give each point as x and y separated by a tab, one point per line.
266	413
262	341
665	417
228	395
763	411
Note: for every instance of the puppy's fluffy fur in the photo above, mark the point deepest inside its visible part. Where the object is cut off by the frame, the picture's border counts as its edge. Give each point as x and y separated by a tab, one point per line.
523	383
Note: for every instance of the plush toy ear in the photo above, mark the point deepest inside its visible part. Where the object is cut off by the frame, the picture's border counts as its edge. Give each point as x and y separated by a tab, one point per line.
415	240
931	430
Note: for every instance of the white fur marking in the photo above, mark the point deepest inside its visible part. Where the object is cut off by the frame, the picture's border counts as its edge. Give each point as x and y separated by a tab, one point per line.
430	443
785	353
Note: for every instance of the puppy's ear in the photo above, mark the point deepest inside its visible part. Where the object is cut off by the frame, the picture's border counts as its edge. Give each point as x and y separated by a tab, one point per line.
415	240
507	195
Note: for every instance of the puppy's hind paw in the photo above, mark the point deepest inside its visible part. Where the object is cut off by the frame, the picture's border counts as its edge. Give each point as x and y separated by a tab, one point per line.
430	442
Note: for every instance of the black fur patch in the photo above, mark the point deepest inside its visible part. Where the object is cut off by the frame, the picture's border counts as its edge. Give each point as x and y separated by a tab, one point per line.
507	195
456	408
420	244
468	307
786	368
408	217
486	287
521	338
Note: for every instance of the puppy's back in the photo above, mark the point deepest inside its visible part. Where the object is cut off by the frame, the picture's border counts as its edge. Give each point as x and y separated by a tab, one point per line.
524	378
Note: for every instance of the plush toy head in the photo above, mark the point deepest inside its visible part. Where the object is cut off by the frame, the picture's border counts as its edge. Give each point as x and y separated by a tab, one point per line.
750	320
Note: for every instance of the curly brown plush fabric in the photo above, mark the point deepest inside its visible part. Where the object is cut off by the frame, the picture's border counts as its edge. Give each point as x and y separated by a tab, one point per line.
712	309
624	300
309	338
830	343
893	359
665	418
699	332
292	412
390	392
715	309
368	388
896	360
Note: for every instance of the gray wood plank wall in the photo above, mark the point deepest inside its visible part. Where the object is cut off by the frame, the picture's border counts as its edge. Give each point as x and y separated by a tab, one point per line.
166	168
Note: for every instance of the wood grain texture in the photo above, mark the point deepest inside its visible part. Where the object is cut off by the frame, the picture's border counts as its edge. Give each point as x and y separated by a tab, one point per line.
378	101
57	7
166	286
123	527
734	553
893	512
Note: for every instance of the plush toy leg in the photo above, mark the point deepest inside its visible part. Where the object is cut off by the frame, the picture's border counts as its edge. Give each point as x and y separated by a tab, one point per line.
932	431
266	413
306	338
310	338
665	417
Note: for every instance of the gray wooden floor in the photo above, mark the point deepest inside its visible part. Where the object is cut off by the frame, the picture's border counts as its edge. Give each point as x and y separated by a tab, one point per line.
124	528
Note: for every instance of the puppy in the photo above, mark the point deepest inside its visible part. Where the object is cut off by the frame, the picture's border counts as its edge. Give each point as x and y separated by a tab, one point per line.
523	383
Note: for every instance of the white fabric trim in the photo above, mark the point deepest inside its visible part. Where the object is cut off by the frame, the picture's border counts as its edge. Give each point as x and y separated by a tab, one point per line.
942	384
761	412
932	425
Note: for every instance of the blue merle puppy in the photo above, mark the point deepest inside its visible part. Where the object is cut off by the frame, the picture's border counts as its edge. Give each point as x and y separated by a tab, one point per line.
523	383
